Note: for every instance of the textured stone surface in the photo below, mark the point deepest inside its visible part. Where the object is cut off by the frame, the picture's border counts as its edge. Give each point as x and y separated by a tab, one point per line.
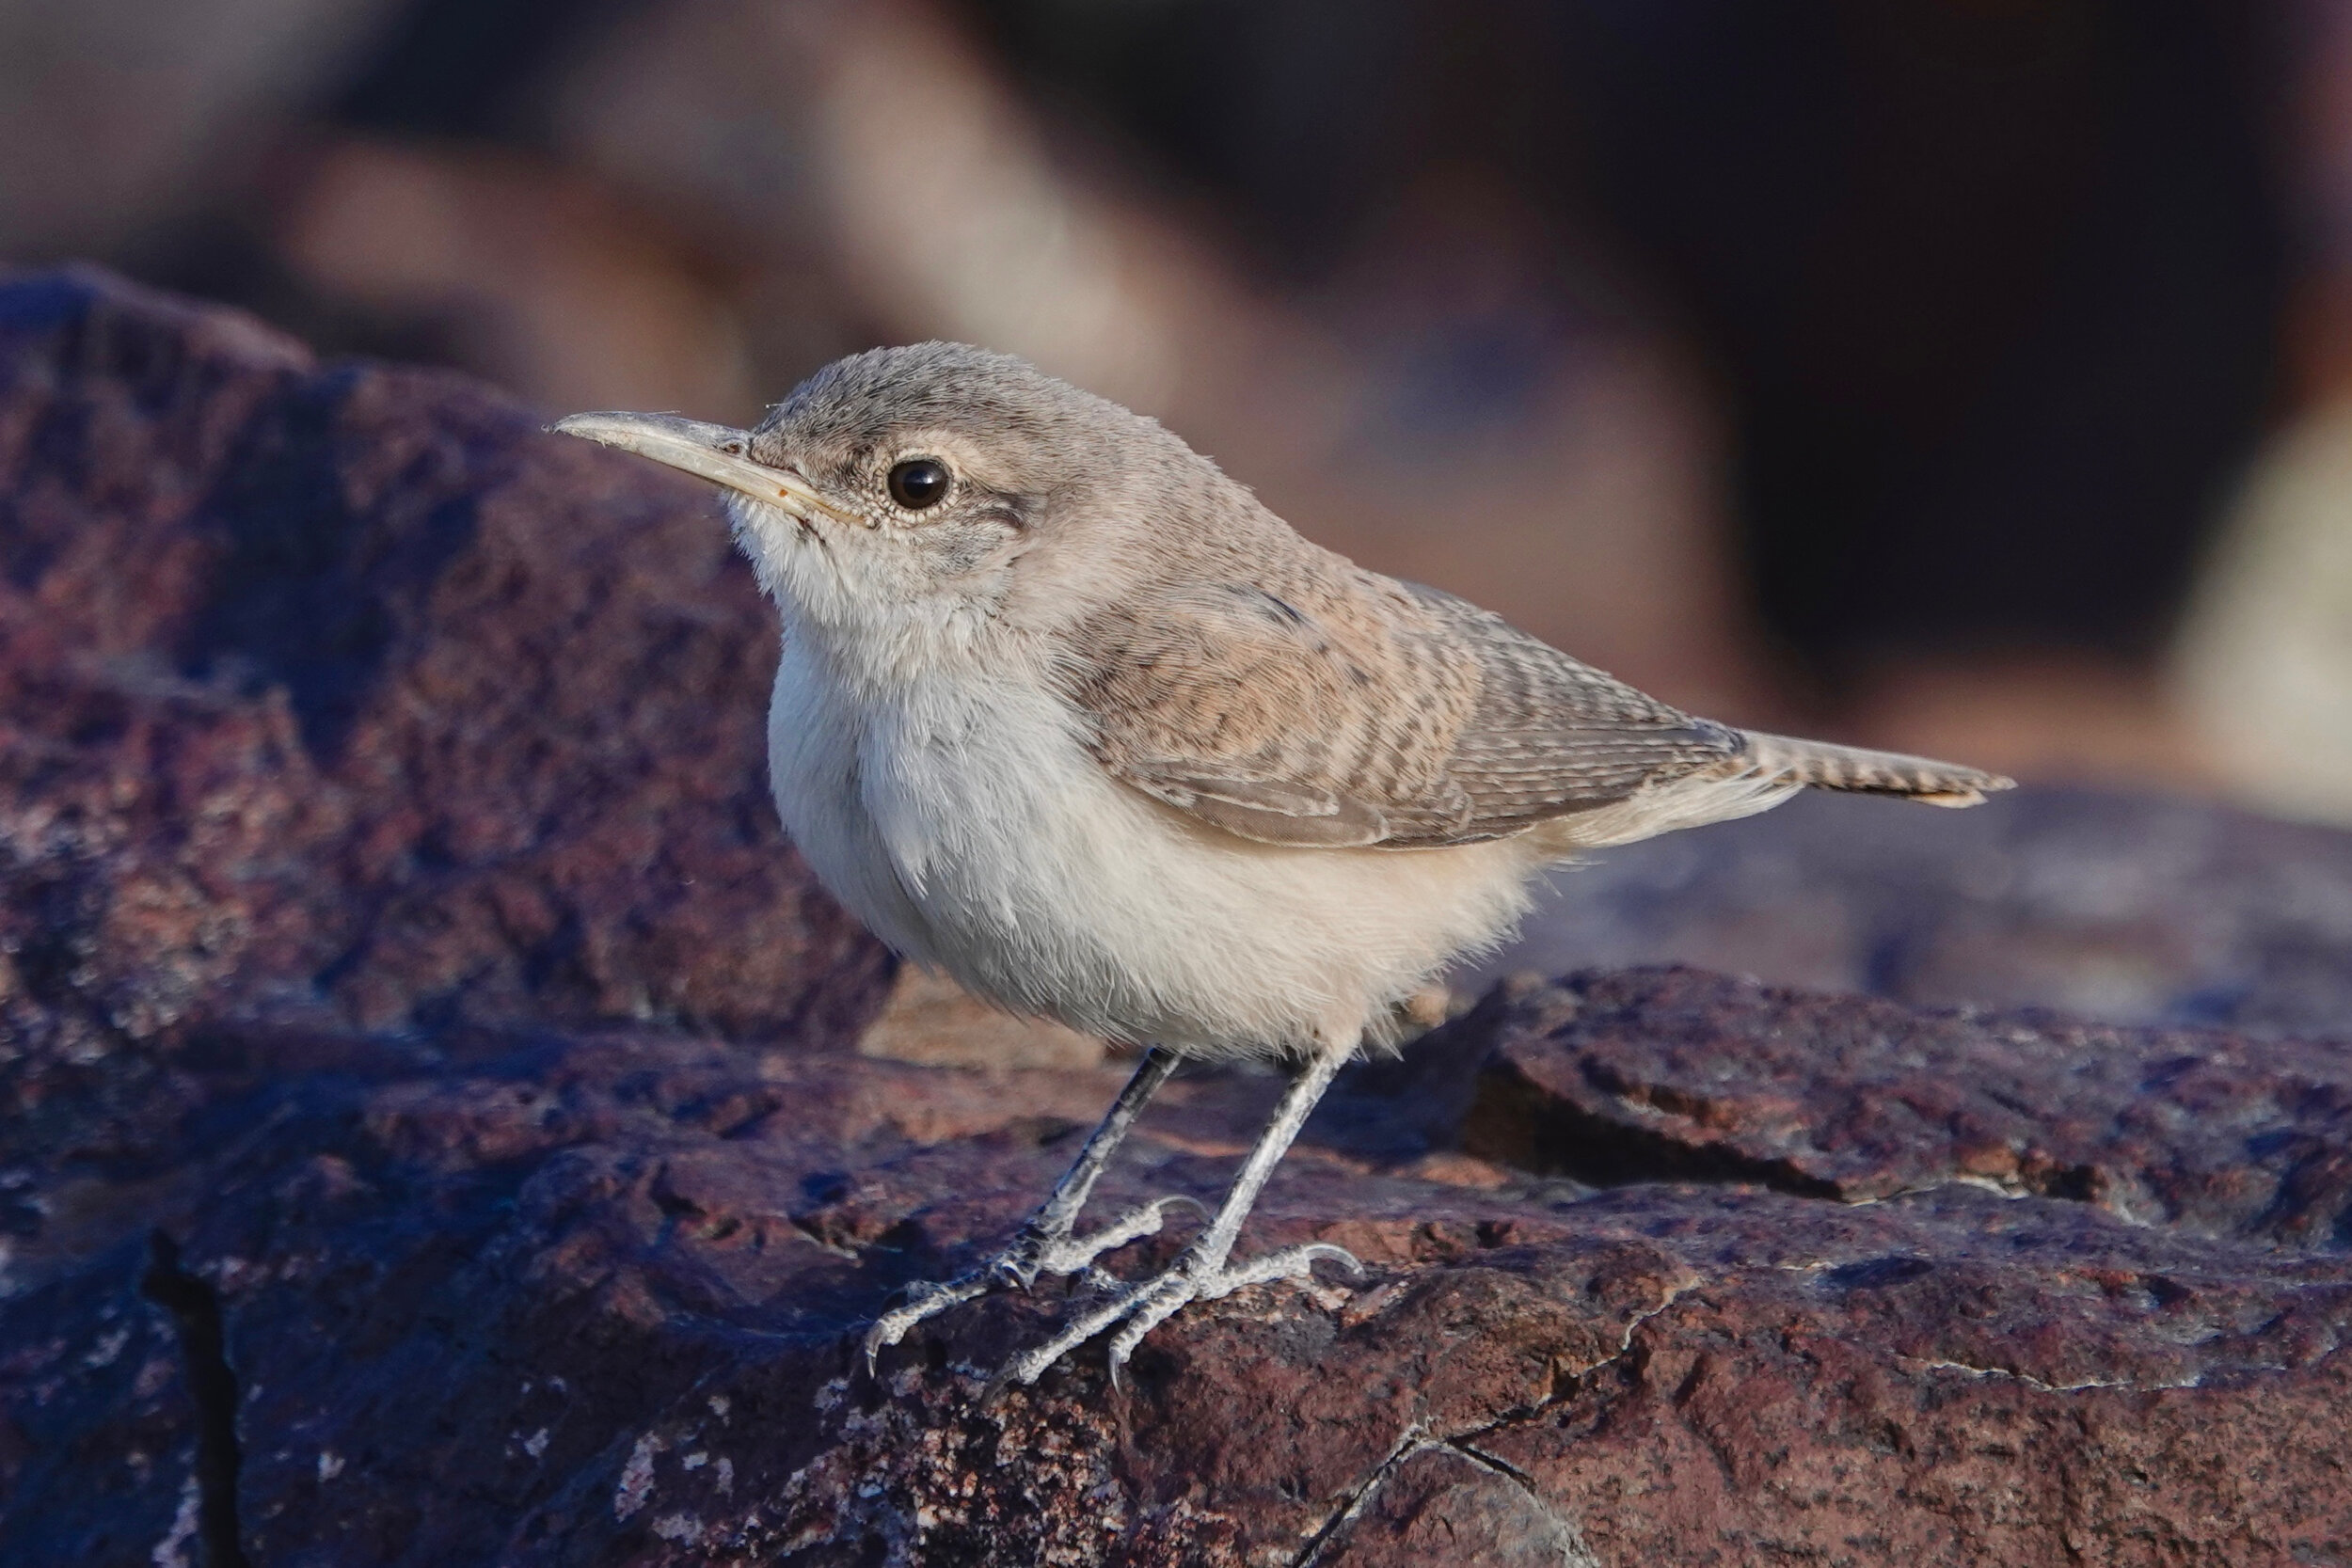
1856	1100
336	697
337	694
2130	910
432	1136
595	1299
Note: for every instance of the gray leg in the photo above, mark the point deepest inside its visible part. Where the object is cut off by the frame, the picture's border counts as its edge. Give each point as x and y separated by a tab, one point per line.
1035	1246
1045	1242
1200	1273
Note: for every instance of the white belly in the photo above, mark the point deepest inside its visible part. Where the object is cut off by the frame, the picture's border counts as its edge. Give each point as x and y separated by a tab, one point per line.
969	829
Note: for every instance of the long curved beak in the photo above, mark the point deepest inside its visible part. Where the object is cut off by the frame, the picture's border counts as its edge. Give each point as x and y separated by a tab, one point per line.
711	452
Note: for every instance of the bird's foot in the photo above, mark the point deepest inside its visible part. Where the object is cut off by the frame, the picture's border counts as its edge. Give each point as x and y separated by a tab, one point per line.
1040	1247
1044	1250
1141	1307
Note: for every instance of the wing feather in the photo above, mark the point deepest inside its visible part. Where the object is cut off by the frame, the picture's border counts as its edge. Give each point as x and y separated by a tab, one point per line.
1339	707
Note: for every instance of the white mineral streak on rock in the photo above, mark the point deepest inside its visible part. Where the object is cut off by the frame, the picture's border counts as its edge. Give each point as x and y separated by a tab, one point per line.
636	1478
171	1551
680	1528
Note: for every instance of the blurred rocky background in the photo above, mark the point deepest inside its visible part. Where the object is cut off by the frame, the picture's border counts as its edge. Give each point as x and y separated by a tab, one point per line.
443	1122
1950	373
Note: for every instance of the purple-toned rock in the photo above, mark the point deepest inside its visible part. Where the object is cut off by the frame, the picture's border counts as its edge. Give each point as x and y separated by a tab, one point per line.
425	1143
1618	1076
2129	909
333	698
339	696
596	1299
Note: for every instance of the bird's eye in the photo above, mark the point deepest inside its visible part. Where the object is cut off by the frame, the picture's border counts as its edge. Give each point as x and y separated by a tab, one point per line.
918	481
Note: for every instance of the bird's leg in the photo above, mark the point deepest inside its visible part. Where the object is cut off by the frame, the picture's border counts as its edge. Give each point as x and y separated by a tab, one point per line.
1200	1273
1047	1242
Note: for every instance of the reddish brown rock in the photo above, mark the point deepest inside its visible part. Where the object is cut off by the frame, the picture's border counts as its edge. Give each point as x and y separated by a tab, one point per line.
595	1300
339	697
395	927
1619	1076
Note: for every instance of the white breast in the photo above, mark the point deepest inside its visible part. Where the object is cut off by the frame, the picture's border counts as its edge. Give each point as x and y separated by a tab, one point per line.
963	820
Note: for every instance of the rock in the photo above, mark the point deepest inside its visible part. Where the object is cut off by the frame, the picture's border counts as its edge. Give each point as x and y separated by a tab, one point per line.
595	1298
2133	910
929	1018
337	695
436	1133
338	698
1633	1076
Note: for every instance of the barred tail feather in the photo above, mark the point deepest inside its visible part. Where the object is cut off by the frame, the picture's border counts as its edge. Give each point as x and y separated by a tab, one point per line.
1850	768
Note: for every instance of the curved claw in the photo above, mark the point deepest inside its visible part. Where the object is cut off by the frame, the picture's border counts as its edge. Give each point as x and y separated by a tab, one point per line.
1144	1307
1290	1264
1031	1253
923	1300
1028	1368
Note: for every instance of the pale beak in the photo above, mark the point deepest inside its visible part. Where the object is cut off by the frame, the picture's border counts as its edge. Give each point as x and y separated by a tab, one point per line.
711	452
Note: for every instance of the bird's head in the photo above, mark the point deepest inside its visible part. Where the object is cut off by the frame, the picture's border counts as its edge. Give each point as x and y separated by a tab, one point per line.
938	489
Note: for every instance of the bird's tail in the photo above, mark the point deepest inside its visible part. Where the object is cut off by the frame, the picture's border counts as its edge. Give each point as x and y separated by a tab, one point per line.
1850	768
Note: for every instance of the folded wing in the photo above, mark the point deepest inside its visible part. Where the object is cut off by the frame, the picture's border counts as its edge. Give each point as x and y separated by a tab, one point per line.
1344	708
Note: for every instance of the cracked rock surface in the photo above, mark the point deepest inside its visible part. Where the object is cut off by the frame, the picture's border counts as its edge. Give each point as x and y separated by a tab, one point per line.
592	1297
437	1133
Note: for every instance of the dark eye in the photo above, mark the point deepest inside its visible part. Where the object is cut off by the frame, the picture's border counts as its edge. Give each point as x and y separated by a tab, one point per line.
918	481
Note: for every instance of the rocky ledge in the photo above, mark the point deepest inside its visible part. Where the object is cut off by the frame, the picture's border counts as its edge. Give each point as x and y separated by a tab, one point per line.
437	1130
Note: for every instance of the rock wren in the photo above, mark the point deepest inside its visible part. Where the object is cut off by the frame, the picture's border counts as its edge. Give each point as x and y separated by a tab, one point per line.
1067	713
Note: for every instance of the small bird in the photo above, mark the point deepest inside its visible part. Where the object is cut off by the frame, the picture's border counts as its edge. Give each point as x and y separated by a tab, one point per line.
1066	712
